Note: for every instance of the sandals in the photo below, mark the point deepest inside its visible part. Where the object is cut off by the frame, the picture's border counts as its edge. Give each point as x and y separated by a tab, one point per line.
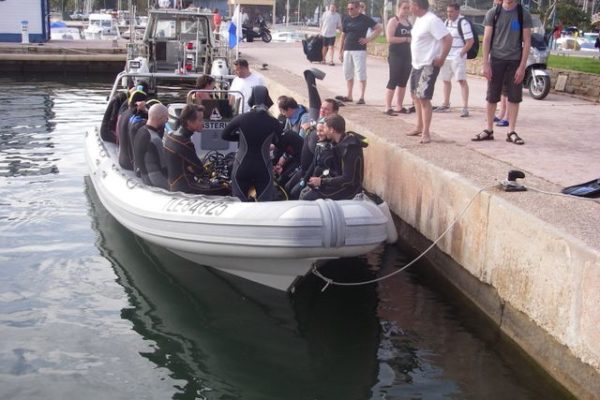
344	98
484	135
390	112
514	138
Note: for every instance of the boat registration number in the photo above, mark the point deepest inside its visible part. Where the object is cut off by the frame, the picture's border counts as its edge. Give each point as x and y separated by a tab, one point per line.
196	206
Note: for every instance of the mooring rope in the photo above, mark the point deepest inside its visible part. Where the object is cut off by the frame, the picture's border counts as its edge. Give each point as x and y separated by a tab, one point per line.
329	281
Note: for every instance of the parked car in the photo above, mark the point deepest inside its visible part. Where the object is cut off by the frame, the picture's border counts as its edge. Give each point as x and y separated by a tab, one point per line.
79	16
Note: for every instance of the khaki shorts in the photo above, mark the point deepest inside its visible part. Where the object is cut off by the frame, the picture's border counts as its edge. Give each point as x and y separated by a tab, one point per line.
355	63
456	68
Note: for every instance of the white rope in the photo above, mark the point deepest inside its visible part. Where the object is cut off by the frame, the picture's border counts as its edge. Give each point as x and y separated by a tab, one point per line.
329	281
562	194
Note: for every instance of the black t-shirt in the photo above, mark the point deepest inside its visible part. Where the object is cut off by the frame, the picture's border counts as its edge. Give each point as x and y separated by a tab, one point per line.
401	49
354	29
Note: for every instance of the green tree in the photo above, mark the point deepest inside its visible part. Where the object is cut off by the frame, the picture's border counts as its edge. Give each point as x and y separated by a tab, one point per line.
570	14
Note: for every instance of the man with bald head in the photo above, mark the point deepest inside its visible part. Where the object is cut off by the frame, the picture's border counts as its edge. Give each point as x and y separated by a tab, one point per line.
149	160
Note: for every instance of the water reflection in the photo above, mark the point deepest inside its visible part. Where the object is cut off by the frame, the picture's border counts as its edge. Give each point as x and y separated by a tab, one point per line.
228	338
26	145
459	353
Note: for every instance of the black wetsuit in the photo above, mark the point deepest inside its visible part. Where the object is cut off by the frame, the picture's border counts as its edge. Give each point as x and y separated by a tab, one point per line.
288	144
184	165
122	138
252	167
111	115
136	121
151	163
127	130
347	181
306	159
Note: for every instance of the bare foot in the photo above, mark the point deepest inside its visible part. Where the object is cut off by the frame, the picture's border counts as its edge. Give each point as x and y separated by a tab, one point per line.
414	133
425	139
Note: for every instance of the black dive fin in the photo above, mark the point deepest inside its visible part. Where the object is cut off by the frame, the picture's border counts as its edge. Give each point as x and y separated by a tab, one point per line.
587	189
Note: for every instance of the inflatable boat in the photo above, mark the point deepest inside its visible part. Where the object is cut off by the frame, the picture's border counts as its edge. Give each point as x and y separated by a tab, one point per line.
273	243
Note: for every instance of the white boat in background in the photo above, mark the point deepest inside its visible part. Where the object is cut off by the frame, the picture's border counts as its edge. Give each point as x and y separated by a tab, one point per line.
288	36
179	40
60	31
273	243
101	27
65	34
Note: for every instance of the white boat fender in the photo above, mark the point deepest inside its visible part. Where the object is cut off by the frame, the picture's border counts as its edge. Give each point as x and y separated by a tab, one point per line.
392	233
334	223
219	67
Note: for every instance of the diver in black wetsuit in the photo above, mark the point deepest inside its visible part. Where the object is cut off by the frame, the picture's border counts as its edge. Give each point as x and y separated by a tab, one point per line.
137	108
323	159
328	107
185	169
317	110
348	180
255	131
149	155
117	104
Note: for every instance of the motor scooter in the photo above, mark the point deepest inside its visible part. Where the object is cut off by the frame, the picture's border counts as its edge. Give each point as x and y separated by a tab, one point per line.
262	31
537	77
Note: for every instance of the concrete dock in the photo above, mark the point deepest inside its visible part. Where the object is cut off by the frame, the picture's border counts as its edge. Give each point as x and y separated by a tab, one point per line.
529	260
65	56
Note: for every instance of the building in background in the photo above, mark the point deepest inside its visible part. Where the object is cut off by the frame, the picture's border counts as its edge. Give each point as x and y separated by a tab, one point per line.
21	19
255	9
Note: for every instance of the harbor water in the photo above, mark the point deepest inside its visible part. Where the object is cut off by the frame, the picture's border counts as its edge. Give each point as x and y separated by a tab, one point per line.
88	310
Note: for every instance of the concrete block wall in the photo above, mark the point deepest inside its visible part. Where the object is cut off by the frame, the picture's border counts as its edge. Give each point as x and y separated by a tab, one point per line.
547	278
538	284
579	83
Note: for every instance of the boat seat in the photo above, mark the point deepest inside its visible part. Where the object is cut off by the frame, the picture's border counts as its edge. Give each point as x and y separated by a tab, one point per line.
210	138
174	110
217	114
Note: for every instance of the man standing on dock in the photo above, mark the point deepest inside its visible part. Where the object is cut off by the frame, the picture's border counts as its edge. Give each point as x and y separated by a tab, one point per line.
429	47
506	44
353	48
330	23
243	83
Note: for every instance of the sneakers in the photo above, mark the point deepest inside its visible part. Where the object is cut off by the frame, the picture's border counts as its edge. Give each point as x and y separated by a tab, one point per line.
441	108
464	113
502	122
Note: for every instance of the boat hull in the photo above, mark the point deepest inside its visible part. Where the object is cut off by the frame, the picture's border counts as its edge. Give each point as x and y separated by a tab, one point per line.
273	243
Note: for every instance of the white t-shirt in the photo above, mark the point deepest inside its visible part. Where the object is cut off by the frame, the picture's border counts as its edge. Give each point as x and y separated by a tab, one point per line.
245	85
425	44
330	22
457	42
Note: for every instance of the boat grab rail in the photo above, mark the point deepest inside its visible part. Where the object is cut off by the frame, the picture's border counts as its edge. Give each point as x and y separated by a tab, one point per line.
189	98
161	75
